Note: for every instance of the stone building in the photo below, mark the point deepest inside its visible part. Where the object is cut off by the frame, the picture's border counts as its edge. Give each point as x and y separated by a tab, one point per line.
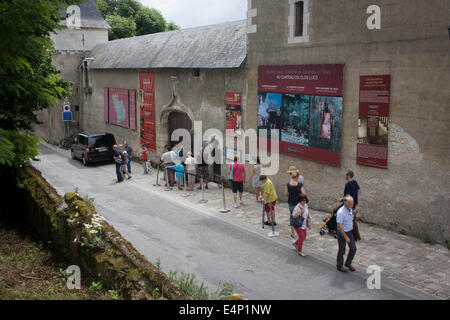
191	70
143	88
412	46
79	34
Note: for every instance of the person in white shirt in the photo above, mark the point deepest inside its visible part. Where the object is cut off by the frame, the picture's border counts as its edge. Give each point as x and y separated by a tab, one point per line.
190	170
169	159
344	220
301	211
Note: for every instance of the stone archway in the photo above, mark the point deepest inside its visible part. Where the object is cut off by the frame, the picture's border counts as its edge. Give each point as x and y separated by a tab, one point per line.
182	113
171	118
178	120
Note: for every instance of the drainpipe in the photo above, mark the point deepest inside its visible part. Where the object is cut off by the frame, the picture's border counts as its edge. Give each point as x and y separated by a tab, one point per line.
84	73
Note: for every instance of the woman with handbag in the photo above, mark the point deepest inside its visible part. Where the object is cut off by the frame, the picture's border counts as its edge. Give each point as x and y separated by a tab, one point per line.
299	221
293	190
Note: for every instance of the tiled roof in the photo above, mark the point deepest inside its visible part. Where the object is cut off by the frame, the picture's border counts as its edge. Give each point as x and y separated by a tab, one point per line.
216	46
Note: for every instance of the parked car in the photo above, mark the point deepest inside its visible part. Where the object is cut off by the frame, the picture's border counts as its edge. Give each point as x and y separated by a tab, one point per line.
93	147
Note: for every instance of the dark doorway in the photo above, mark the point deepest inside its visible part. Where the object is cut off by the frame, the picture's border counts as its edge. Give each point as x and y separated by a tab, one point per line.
179	120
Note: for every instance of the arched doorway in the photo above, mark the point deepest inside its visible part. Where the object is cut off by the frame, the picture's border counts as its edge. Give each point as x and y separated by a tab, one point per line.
178	120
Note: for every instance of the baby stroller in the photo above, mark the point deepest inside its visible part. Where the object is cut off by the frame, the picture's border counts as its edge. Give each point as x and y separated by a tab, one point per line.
330	222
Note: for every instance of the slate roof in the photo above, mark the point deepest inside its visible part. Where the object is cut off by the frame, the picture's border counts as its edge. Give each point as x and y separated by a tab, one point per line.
90	16
209	47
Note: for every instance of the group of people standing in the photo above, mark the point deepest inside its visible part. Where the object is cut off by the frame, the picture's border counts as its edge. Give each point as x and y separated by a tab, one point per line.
300	220
265	192
172	161
122	159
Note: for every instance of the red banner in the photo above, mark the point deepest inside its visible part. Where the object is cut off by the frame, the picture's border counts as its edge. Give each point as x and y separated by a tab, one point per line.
233	98
373	122
147	110
319	79
304	102
233	113
132	94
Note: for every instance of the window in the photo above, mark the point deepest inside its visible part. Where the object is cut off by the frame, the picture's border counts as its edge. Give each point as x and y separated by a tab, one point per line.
298	21
195	72
299	6
82	140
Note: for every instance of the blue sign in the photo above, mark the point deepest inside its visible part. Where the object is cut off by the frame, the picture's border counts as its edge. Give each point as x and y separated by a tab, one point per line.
67	116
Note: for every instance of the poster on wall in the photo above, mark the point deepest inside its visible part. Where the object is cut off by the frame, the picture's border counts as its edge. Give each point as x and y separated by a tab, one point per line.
305	103
132	99
373	121
233	113
120	107
147	110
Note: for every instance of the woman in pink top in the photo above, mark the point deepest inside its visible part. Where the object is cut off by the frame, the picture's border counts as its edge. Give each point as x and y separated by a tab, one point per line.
237	171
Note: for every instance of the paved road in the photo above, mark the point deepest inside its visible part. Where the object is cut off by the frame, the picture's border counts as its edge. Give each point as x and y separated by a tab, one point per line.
190	238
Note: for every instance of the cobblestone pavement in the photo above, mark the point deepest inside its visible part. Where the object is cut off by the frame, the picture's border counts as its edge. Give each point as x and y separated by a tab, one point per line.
405	259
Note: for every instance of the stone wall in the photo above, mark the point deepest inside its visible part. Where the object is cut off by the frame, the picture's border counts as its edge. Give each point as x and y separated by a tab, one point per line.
412	195
202	98
78	39
52	127
79	234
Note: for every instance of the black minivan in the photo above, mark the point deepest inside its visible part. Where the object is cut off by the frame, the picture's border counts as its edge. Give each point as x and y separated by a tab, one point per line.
93	147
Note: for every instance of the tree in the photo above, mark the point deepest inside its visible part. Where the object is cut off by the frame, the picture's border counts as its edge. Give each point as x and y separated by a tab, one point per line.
107	7
128	8
172	26
149	20
28	80
121	27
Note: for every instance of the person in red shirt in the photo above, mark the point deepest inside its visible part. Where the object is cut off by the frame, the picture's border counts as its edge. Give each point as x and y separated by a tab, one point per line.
144	160
236	172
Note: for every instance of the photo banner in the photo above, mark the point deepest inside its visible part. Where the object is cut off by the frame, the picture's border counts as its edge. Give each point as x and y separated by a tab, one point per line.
147	110
119	107
233	113
305	103
373	121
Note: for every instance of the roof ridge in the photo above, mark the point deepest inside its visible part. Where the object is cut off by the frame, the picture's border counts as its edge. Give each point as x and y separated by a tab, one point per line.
215	46
180	30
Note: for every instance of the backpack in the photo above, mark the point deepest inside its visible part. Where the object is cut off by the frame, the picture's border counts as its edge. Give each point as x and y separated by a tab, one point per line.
232	173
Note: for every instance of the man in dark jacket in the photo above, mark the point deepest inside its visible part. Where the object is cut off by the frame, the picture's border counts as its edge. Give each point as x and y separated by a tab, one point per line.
352	188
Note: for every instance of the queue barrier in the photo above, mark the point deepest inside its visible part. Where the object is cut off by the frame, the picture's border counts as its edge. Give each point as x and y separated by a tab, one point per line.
216	179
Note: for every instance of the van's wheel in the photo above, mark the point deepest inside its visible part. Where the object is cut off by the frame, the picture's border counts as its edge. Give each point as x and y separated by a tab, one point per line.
85	163
72	154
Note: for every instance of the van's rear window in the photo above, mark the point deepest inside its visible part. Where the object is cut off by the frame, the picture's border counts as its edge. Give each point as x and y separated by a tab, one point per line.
101	141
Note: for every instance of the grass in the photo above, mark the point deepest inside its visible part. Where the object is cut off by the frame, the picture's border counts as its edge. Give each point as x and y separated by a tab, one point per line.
29	271
189	284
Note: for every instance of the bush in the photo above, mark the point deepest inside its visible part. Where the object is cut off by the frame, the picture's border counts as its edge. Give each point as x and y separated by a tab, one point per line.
18	147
